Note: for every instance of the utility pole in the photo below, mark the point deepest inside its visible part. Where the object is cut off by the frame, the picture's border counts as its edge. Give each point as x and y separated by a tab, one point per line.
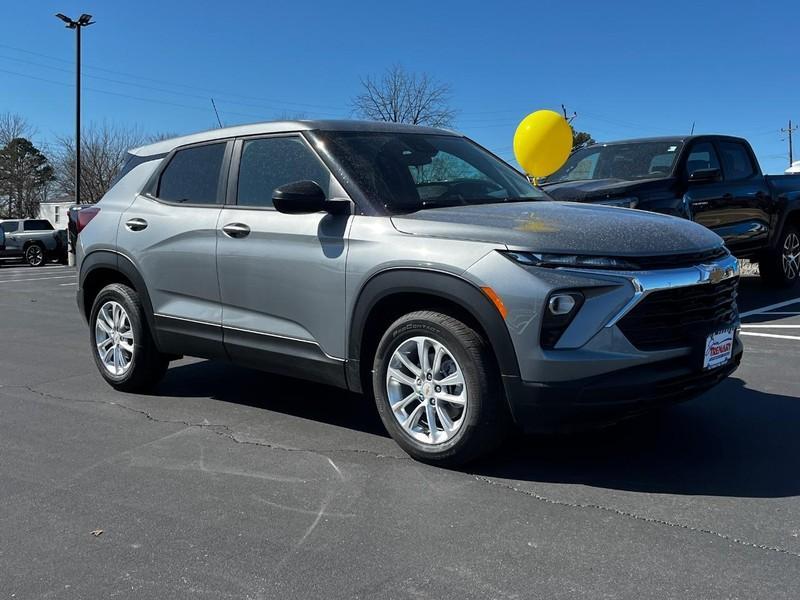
83	21
790	130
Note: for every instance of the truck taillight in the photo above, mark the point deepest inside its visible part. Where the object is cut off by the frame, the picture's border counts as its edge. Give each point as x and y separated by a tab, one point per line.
84	216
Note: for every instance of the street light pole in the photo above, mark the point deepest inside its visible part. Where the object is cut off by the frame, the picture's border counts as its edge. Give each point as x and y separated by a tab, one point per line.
83	21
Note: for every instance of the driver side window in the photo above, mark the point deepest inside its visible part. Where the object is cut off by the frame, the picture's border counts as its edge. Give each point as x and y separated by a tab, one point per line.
703	156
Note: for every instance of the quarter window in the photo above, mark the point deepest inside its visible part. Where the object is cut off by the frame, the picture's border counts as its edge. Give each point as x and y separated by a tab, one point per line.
269	163
192	176
703	156
735	161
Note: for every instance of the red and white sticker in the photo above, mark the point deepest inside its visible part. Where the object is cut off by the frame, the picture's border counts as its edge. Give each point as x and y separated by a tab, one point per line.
719	349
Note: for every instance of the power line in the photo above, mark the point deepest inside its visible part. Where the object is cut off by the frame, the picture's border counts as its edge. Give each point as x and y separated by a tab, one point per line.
217	93
128	96
145	87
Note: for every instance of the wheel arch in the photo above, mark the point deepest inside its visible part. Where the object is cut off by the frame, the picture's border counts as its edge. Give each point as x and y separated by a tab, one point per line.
389	294
103	267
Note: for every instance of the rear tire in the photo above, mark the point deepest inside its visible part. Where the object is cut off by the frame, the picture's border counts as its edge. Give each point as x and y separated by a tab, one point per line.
780	267
121	342
34	255
455	385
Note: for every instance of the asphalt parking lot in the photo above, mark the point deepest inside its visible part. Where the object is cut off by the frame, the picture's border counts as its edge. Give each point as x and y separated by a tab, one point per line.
229	483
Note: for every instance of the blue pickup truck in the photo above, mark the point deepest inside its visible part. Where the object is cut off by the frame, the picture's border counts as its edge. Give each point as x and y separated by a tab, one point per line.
714	180
33	240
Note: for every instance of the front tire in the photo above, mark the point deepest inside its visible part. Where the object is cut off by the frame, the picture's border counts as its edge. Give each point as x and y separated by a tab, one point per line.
121	342
34	255
780	267
437	389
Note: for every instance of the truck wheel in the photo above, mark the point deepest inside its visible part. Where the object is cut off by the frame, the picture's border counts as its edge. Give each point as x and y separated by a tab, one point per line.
34	255
121	343
781	266
438	390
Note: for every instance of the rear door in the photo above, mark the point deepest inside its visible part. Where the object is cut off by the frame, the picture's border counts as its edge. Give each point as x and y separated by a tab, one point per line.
169	233
282	276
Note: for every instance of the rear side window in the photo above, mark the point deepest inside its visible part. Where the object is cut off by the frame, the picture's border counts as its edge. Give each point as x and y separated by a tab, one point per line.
9	226
735	161
38	225
192	176
703	156
269	163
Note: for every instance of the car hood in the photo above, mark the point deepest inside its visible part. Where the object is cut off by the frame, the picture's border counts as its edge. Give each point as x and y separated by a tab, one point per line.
562	227
597	189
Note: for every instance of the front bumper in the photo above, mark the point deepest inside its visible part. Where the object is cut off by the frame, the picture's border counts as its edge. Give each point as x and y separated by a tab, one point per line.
604	399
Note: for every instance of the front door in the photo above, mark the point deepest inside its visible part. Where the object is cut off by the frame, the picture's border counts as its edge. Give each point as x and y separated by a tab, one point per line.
706	200
13	245
748	201
282	276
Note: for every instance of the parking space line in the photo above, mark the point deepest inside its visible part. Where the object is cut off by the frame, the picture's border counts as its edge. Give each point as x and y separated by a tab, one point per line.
762	326
765	309
36	279
772	335
44	268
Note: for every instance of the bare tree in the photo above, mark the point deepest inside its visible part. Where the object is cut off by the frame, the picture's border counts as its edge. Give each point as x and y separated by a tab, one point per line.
398	96
103	151
13	126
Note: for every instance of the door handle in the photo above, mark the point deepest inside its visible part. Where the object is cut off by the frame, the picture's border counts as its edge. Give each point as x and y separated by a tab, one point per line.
236	230
135	224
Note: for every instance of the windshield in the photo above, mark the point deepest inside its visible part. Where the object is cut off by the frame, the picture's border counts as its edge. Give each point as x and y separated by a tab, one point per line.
637	160
406	172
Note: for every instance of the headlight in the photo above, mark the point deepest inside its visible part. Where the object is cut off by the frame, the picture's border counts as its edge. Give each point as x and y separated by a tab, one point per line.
622	202
536	259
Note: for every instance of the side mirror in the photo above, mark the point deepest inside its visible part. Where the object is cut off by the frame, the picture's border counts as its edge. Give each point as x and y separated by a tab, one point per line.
300	197
705	175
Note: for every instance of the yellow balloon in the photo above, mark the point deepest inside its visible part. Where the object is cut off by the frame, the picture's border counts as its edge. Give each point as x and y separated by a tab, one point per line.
542	143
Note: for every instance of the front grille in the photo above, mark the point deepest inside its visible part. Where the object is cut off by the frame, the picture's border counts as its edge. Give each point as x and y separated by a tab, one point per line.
678	317
674	261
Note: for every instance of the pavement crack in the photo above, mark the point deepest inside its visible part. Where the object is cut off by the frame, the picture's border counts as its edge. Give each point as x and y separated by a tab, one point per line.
634	516
220	429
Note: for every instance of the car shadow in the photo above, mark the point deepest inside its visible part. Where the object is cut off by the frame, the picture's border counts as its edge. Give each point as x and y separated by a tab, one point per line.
732	441
227	382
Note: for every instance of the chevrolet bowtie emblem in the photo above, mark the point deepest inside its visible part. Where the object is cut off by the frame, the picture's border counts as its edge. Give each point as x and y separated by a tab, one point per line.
714	274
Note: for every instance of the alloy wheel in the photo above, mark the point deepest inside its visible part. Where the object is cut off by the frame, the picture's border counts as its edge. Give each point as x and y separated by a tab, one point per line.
114	338
426	390
34	255
791	256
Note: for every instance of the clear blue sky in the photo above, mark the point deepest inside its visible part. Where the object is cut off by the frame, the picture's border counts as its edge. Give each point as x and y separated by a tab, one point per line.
627	68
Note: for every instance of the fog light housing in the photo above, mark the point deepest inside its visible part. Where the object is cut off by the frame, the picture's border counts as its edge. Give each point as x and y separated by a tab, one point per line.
561	310
561	304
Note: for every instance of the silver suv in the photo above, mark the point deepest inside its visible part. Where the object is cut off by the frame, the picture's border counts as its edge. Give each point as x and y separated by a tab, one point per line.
407	263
